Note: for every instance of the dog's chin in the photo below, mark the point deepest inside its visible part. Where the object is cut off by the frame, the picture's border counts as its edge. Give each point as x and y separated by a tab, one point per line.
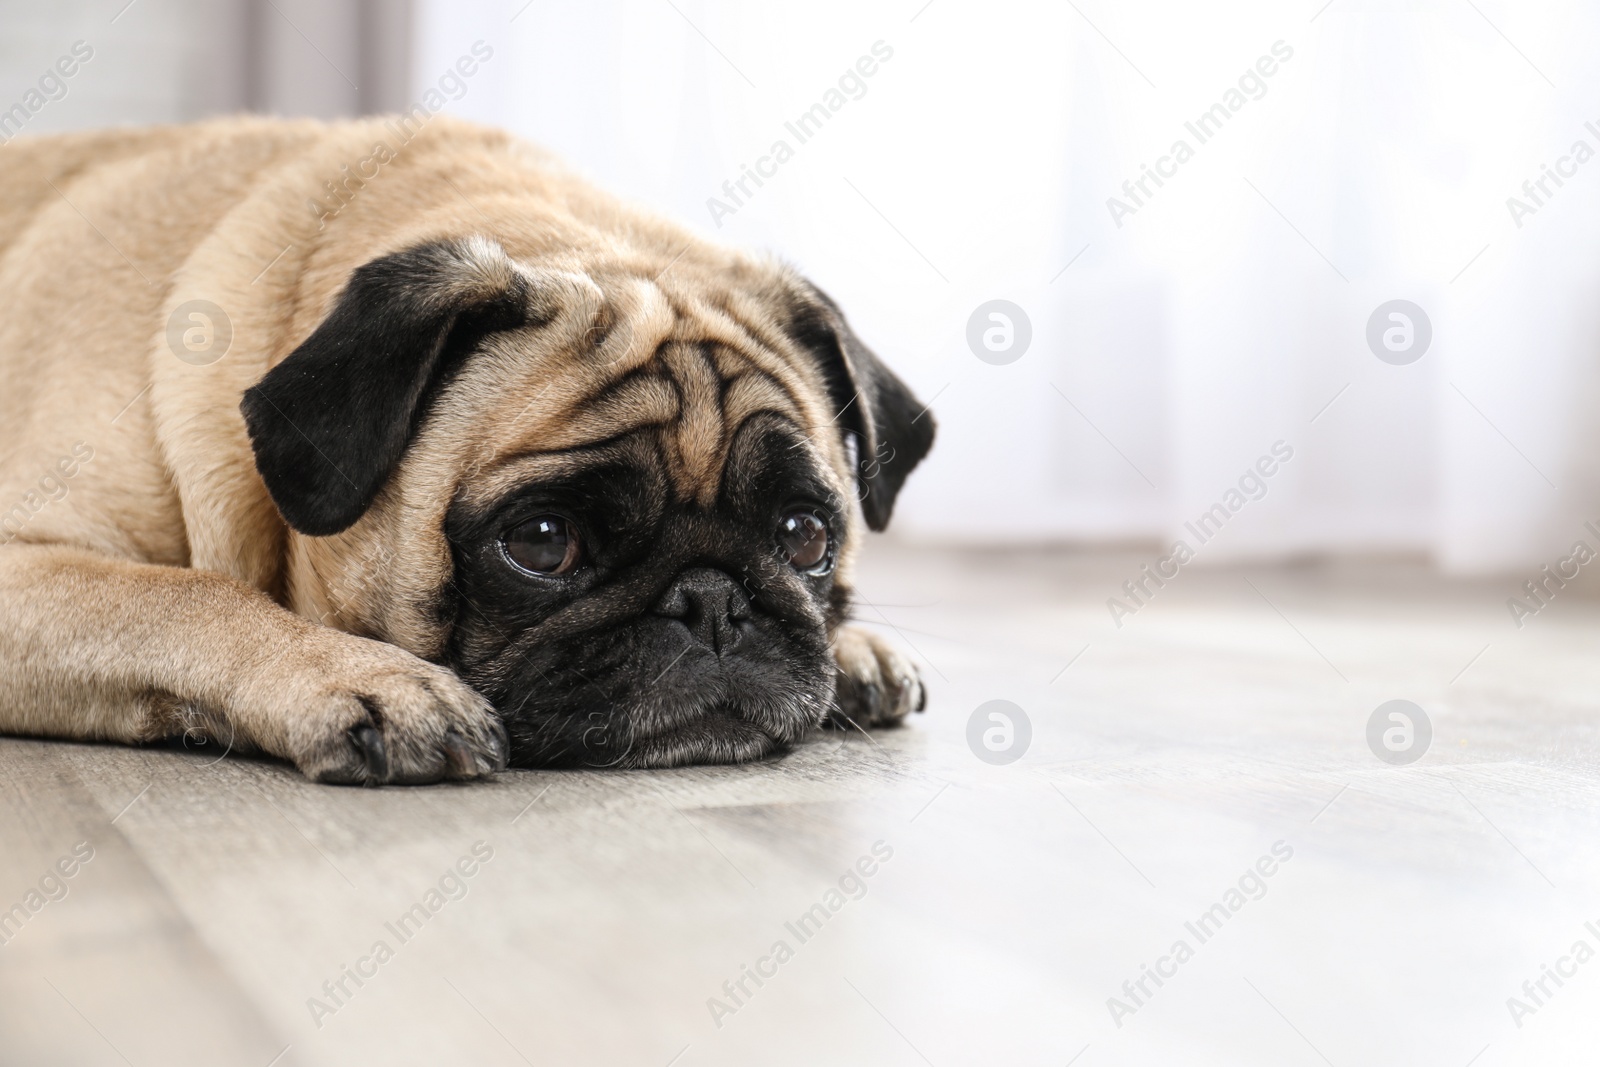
708	738
695	731
710	731
701	711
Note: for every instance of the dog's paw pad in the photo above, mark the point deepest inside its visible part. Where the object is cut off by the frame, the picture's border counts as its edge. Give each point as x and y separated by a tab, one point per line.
877	684
398	722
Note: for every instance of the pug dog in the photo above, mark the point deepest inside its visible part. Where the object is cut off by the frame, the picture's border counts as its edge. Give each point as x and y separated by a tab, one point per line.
395	450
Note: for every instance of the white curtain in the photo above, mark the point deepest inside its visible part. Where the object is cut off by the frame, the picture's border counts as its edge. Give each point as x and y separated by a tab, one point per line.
968	154
1227	314
970	157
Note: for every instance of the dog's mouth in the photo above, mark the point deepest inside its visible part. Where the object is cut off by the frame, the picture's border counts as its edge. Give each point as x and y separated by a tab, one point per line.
711	729
650	695
725	718
715	736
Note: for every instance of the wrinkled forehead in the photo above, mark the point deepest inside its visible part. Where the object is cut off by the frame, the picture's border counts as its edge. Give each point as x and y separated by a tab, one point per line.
633	354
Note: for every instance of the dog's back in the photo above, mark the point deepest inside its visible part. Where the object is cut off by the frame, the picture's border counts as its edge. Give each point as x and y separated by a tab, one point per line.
101	236
92	230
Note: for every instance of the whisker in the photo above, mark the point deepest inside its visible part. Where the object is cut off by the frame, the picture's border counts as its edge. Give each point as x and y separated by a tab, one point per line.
894	626
864	733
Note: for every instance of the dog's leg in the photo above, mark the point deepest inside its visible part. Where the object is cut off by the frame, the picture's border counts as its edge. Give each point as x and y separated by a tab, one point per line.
100	648
877	685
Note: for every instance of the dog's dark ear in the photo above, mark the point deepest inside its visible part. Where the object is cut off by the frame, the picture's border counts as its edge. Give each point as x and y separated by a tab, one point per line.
893	430
330	422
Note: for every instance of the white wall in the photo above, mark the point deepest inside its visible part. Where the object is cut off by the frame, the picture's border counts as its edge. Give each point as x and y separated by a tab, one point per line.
180	60
1207	326
165	61
1218	319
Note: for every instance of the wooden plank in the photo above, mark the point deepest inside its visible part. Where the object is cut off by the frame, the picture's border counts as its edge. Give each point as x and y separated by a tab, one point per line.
107	969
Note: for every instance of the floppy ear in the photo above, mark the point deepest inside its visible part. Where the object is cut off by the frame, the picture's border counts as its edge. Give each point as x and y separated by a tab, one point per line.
893	430
330	422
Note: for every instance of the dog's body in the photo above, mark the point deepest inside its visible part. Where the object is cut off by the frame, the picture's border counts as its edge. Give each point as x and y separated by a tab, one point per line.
455	359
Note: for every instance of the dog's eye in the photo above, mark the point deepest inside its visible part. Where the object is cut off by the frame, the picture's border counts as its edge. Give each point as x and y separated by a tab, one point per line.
803	536
544	545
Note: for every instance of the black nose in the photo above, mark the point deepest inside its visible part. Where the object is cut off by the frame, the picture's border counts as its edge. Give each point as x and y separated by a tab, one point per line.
710	604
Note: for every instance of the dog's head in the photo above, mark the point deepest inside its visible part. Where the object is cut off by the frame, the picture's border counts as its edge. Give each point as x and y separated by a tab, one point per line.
619	505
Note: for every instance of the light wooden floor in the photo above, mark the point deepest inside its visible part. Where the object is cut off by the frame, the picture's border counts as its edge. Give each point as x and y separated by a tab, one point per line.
1224	718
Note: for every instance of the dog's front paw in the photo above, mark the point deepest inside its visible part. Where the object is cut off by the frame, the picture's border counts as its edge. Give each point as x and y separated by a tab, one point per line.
877	685
373	714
